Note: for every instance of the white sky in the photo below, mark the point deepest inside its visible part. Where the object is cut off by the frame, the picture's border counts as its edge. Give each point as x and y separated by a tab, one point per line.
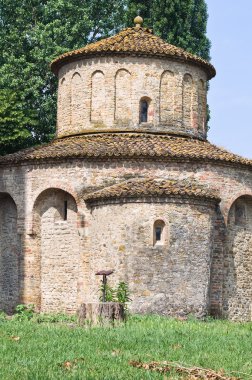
230	95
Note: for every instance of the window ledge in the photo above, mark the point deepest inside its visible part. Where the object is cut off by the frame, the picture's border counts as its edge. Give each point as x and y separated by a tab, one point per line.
146	124
158	245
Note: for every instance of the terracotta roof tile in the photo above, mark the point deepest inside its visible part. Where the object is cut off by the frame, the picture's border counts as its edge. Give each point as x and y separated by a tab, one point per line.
127	145
133	41
150	187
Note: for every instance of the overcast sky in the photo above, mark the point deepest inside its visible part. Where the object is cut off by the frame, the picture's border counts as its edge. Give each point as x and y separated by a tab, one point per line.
230	95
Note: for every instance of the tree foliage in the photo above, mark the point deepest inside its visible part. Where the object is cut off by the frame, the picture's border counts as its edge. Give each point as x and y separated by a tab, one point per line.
34	32
180	22
16	122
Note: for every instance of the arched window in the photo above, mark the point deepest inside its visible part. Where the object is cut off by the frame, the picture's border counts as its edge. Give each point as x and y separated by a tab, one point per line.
144	105
158	232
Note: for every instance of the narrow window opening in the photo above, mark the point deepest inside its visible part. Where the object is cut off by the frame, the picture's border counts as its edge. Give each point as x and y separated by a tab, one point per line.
158	232
144	111
65	210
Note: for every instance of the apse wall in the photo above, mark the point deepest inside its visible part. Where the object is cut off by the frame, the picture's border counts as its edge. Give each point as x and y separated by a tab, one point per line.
169	276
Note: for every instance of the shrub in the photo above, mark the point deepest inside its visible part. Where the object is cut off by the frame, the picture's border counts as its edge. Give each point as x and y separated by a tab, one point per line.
122	293
24	312
118	294
3	316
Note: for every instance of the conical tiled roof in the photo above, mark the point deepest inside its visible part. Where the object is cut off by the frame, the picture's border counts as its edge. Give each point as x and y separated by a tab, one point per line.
136	41
153	187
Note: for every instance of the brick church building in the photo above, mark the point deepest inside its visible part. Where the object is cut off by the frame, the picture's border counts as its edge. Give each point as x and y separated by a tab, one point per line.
129	183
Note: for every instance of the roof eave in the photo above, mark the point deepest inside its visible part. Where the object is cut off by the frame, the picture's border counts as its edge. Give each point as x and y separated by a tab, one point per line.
59	62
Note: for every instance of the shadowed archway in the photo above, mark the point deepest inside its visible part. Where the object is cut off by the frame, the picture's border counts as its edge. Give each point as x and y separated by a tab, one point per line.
237	289
57	239
10	249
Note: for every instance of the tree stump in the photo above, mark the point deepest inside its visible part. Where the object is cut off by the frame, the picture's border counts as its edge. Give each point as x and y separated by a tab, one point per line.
102	313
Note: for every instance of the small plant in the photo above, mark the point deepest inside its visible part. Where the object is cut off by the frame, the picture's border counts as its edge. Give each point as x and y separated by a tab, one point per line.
122	292
3	316
24	312
118	294
110	293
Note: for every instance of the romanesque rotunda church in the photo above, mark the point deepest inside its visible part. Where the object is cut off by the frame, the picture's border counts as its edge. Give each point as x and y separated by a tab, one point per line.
129	183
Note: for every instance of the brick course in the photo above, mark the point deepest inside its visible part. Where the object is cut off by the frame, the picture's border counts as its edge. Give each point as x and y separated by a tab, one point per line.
107	93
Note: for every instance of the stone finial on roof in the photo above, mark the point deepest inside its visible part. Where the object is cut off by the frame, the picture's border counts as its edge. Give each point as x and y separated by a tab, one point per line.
136	41
138	21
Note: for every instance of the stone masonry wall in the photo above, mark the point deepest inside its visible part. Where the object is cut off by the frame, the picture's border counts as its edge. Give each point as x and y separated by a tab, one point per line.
26	182
237	292
9	254
58	241
169	279
105	93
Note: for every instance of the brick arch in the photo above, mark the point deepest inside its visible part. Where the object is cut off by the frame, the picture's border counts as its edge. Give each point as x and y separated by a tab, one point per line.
237	289
59	186
56	250
226	207
56	186
187	100
76	74
20	209
121	71
98	97
14	198
51	189
167	97
123	96
202	104
76	99
63	104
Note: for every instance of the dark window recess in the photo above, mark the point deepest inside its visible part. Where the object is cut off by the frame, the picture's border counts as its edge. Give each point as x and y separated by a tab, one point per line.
143	111
240	215
158	232
65	210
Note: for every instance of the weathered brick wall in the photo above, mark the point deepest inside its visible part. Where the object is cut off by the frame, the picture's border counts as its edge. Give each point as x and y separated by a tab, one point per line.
169	279
9	254
123	94
237	292
57	236
26	182
105	93
167	98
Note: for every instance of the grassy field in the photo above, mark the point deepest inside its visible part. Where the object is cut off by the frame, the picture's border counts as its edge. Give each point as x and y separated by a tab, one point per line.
31	350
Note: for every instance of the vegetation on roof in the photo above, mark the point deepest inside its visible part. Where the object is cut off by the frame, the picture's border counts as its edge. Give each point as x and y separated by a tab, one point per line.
137	41
127	146
152	187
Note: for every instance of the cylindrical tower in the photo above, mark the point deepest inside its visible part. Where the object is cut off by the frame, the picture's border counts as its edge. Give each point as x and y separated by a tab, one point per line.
133	81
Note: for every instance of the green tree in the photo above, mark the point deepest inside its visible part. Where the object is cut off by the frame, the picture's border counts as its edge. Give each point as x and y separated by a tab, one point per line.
16	122
34	32
180	22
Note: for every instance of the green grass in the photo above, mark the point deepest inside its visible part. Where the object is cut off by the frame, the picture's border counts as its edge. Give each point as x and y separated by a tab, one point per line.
104	353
